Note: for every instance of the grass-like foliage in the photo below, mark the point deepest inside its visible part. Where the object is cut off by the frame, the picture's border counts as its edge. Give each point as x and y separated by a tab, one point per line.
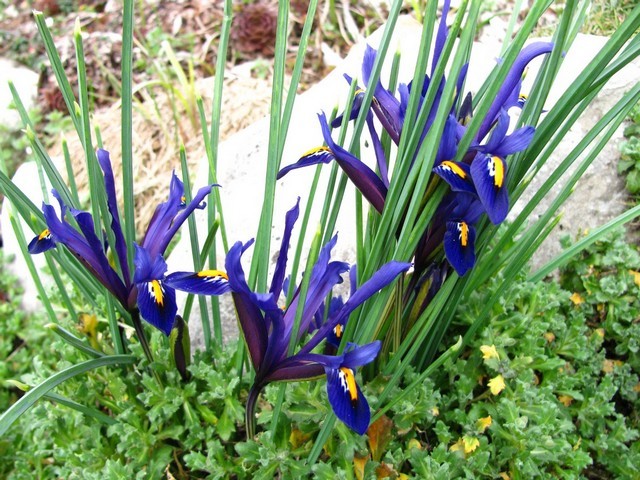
433	268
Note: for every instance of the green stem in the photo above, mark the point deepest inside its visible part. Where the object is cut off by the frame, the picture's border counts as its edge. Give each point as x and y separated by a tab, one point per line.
249	414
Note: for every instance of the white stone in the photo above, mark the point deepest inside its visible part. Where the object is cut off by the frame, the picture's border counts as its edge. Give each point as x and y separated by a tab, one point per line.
243	156
26	84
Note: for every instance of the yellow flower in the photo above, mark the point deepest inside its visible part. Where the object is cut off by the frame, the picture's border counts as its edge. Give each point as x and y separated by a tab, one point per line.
435	411
466	444
489	352
496	384
566	400
576	298
470	443
636	277
483	423
458	446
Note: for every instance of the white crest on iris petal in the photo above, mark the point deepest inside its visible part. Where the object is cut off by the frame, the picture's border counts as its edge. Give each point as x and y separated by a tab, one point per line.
463	230
337	330
495	169
212	276
348	383
452	167
156	291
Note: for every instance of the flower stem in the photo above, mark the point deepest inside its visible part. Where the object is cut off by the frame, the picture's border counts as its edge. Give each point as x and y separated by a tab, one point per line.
137	324
249	415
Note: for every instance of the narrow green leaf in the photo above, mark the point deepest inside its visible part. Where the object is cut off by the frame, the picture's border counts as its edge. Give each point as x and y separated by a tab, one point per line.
37	392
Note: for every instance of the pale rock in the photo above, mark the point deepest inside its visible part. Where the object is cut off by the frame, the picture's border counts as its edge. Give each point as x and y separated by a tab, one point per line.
26	84
243	157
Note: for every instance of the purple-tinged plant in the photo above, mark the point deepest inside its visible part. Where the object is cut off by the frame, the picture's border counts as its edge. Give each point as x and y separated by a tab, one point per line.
268	328
479	179
147	291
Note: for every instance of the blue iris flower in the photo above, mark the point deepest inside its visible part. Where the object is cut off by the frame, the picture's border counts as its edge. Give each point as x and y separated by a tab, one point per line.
479	181
268	328
147	290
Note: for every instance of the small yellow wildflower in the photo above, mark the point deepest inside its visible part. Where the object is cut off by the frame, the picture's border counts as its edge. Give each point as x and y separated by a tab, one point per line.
566	400
496	384
489	352
483	423
549	337
504	476
435	411
414	443
636	277
599	332
467	444
458	446
470	443
576	298
608	365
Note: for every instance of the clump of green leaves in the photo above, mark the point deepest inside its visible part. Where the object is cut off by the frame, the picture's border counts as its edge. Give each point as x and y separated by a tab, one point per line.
549	388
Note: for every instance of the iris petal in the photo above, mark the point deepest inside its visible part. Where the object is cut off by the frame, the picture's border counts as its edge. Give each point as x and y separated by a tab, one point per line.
459	246
347	400
42	242
205	282
457	175
112	205
312	157
489	176
251	320
157	304
365	179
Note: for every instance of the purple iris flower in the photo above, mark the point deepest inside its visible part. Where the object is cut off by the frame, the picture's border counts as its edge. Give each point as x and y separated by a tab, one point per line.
371	186
481	175
147	292
268	329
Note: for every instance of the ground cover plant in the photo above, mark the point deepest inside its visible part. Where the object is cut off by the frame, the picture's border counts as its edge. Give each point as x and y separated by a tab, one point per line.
434	266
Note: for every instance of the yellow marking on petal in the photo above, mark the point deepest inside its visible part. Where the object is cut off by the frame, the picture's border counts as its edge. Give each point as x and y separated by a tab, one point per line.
489	352
317	151
156	290
212	273
448	164
576	298
44	234
463	228
338	330
496	170
483	423
358	92
496	384
523	96
349	383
